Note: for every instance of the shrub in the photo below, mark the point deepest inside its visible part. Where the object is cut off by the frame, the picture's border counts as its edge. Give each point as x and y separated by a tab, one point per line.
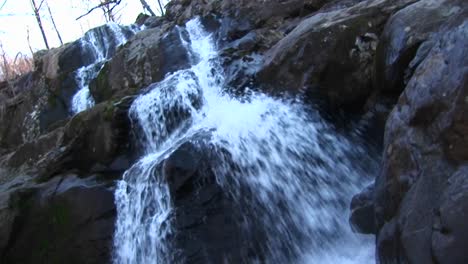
11	68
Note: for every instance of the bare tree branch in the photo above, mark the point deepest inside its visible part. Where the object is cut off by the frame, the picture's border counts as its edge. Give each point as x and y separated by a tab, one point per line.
29	42
40	4
39	21
3	4
161	8
103	3
147	7
53	23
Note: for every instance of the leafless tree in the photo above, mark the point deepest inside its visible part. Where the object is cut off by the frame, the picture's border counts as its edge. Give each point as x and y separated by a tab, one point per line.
53	23
37	14
147	7
107	6
2	4
161	7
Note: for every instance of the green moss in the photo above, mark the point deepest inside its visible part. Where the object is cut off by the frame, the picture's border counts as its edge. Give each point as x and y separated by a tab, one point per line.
109	110
43	249
51	100
60	217
100	87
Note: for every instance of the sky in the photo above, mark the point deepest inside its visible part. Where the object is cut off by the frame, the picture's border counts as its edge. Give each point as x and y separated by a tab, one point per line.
16	19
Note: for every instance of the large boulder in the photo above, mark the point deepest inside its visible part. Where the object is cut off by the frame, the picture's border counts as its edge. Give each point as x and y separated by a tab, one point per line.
425	150
16	107
362	218
39	100
146	59
94	140
404	33
64	220
329	56
243	30
254	11
207	220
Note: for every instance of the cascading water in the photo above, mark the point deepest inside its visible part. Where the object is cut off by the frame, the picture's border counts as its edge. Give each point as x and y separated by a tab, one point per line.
102	42
299	174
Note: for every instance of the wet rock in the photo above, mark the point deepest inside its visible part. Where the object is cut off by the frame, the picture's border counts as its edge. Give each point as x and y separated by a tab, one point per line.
94	140
330	54
256	11
146	59
403	35
232	29
450	233
60	65
26	112
153	22
9	213
423	151
64	217
39	100
362	211
202	208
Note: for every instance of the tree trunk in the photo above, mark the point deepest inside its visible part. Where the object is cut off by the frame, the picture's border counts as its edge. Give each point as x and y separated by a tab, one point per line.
53	23
147	7
39	22
161	7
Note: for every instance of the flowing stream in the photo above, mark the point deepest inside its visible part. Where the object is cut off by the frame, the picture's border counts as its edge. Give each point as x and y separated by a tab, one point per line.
102	43
300	173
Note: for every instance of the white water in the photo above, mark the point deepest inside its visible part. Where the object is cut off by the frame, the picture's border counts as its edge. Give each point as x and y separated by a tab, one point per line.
301	174
102	46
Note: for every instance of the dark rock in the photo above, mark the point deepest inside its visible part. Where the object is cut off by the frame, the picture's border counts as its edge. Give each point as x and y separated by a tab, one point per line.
96	139
20	110
153	22
146	59
450	233
232	29
202	208
64	217
372	124
362	211
423	150
388	244
255	11
39	100
8	213
326	45
141	19
403	34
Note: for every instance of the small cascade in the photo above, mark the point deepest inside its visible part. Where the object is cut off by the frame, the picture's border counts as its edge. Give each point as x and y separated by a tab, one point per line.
299	174
101	43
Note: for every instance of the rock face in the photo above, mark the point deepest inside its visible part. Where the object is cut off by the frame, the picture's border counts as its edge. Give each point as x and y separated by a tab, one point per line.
330	55
363	58
424	147
45	208
146	59
67	219
80	144
42	99
362	217
419	192
203	209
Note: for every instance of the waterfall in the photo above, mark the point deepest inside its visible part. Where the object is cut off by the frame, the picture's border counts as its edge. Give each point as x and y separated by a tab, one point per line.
299	173
102	43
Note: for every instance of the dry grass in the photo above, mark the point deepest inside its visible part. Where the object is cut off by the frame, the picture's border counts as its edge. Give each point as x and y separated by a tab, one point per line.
11	68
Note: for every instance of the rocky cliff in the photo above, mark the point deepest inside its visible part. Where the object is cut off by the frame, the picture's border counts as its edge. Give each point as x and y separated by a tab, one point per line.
399	68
